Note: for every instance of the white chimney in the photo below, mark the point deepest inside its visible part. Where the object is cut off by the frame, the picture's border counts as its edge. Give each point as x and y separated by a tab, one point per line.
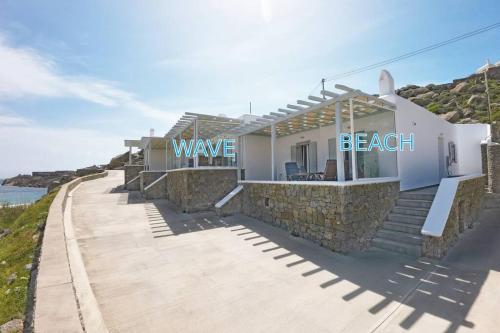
151	132
385	83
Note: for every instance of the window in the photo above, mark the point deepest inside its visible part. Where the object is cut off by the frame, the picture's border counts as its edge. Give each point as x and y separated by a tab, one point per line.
452	152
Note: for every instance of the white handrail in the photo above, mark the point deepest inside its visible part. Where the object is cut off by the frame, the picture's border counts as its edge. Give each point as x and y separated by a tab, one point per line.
441	205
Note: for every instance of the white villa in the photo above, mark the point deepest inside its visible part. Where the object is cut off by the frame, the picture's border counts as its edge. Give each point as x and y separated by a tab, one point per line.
290	171
306	133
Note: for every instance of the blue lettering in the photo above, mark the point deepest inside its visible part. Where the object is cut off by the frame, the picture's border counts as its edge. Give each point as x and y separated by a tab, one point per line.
410	141
387	137
375	143
187	149
360	141
345	142
229	144
213	151
200	145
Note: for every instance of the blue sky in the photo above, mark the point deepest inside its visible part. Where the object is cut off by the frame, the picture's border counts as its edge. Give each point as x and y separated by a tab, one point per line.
76	78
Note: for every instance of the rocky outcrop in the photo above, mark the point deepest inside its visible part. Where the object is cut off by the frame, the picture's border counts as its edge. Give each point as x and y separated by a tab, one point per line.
462	101
119	161
39	179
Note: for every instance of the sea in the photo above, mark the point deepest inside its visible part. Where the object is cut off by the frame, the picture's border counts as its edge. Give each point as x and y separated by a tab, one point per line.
14	195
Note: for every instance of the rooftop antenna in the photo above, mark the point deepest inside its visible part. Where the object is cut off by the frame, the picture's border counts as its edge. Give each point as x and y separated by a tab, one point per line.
323	84
250	107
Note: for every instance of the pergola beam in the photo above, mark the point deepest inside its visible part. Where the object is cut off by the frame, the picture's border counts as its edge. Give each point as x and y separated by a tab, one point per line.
306	103
295	107
328	93
316	98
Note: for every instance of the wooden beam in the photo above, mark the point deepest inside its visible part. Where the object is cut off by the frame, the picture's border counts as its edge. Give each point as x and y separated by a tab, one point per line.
328	93
306	103
286	111
316	98
295	107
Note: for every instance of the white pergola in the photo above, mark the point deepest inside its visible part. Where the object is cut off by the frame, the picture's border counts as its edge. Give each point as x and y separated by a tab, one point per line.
196	125
314	113
131	144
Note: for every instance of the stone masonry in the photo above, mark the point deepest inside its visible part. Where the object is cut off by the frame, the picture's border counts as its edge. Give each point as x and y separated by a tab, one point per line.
132	171
148	177
157	189
493	156
199	189
341	218
463	213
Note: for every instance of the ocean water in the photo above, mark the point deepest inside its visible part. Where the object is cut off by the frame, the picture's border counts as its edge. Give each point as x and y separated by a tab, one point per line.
14	195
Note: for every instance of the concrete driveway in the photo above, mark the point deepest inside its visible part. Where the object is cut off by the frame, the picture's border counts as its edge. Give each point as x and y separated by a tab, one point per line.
155	270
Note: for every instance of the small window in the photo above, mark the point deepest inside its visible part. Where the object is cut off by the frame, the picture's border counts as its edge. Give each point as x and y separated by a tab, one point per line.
452	152
266	202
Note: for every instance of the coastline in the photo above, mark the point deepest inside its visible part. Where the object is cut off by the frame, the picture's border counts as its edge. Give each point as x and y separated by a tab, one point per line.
12	196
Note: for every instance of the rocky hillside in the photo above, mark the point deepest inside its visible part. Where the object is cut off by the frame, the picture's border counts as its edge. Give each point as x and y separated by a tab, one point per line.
39	179
119	161
462	101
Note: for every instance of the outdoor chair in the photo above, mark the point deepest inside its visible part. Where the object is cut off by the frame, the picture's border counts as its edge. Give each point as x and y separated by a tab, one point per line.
330	170
293	171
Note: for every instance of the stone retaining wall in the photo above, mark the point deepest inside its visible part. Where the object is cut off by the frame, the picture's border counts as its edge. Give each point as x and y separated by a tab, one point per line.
148	177
463	213
493	153
157	189
339	217
132	171
198	189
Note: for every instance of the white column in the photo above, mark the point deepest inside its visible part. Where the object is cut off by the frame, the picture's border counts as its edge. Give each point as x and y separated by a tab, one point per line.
195	131
273	151
181	156
340	154
166	154
238	157
353	151
130	155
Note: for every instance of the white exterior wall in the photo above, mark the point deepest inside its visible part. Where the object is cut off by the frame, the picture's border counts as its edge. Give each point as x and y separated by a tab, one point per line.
256	157
469	137
157	159
421	167
284	143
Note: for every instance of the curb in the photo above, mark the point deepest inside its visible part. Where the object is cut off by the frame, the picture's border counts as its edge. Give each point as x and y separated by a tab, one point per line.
64	301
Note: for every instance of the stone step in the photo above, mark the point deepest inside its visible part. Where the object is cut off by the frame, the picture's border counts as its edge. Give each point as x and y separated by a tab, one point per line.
398	236
410	211
402	227
416	196
401	218
394	246
414	203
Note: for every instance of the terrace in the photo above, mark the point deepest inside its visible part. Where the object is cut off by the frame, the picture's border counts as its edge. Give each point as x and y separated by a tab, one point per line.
306	134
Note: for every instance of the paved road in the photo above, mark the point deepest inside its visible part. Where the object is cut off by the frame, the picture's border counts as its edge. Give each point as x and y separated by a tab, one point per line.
154	270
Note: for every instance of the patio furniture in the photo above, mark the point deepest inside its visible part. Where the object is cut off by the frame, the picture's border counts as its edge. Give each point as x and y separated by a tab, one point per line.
330	170
330	173
293	172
